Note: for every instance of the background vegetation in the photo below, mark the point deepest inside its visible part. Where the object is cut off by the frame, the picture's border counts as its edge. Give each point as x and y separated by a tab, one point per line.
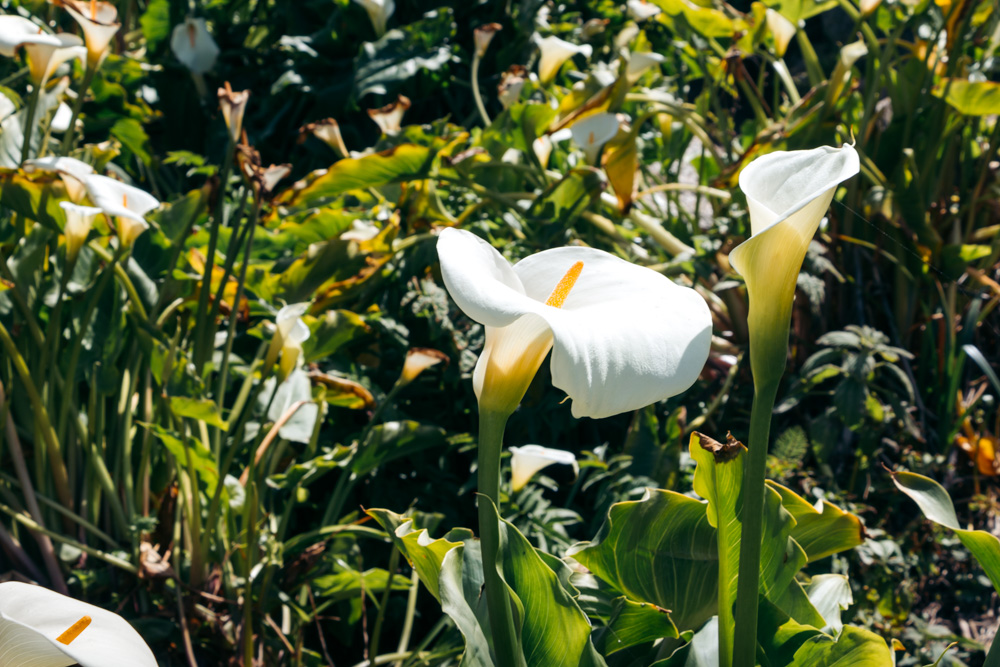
113	366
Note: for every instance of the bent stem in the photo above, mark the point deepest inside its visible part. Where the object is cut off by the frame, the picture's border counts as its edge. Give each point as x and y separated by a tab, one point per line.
30	120
475	91
745	643
491	428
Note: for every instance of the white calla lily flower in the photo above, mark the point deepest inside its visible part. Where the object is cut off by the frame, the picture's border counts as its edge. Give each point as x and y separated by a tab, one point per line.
71	171
418	360
379	12
640	10
99	22
193	45
622	336
640	61
593	132
290	332
61	118
554	52
41	628
781	29
46	52
542	148
788	193
128	205
526	461
79	220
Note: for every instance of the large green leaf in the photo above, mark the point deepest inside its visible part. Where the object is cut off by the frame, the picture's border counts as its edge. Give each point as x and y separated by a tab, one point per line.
402	162
972	98
936	505
855	647
660	550
554	631
632	623
820	532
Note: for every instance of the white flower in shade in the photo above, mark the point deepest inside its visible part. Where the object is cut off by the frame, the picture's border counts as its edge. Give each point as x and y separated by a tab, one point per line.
128	205
593	132
418	360
193	45
788	193
542	147
71	171
79	220
484	35
390	117
640	10
41	628
781	29
511	84
290	332
554	52
379	12
328	131
61	118
622	336
526	461
46	52
99	22
360	232
640	61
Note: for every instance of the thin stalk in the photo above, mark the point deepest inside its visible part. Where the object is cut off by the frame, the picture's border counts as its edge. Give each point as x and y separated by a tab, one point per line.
813	68
745	642
88	77
411	609
491	428
32	107
475	90
380	618
55	459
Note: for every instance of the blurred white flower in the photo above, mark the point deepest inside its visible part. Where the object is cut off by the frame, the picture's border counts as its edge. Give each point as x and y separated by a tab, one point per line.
128	205
781	29
379	12
99	22
46	52
593	132
193	45
71	171
526	461
554	52
79	220
640	10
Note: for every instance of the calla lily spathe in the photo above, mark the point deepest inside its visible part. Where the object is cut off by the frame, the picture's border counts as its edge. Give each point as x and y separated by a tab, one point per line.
128	205
526	461
593	132
781	29
79	220
379	12
290	332
46	52
71	171
788	193
99	22
554	52
622	336
640	10
193	45
41	628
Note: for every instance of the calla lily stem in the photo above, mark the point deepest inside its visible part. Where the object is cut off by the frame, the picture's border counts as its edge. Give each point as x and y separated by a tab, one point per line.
491	428
475	90
745	643
88	77
30	120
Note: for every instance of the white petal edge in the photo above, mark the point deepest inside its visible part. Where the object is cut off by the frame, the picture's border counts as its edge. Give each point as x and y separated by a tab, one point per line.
778	184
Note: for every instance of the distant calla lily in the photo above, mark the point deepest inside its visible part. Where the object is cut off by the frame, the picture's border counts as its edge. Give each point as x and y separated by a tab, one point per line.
71	171
640	61
79	220
788	193
640	10
128	205
390	117
511	85
554	52
193	45
99	22
622	336
233	105
46	52
379	12
781	29
41	628
526	461
290	333
593	132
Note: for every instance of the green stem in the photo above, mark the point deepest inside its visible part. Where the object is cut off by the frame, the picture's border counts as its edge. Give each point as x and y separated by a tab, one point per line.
813	68
745	643
88	77
475	90
32	107
491	428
